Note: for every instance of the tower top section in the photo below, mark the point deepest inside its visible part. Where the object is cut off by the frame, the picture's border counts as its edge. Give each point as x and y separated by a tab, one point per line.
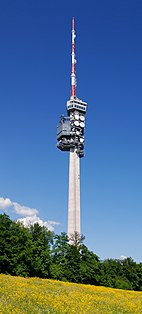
74	103
73	73
70	130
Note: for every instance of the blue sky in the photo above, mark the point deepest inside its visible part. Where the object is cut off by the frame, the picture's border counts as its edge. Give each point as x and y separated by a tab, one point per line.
35	65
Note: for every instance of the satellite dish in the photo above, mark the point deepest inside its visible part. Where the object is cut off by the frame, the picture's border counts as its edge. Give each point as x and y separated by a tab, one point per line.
82	118
76	116
82	124
81	140
76	123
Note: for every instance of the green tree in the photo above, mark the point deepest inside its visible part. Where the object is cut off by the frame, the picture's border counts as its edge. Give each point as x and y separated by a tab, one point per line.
42	239
139	274
110	269
122	283
59	256
5	244
73	258
72	269
14	247
21	253
90	267
129	271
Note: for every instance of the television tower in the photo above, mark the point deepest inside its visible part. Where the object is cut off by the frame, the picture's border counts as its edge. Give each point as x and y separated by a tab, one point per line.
70	137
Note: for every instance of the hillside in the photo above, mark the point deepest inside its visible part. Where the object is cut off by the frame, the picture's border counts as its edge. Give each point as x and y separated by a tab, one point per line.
34	295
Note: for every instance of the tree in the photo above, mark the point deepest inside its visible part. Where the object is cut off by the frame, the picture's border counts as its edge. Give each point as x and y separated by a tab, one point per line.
72	269
66	257
14	247
73	258
110	269
129	271
59	254
139	274
90	267
41	254
5	244
76	239
20	250
122	283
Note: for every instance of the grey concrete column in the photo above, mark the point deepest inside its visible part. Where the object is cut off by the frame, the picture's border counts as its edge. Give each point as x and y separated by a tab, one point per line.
74	193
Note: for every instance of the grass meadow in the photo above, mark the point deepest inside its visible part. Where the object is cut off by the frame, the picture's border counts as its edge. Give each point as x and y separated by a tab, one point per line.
34	295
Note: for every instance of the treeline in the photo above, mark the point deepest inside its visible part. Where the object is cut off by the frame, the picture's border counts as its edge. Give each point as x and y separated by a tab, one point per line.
36	251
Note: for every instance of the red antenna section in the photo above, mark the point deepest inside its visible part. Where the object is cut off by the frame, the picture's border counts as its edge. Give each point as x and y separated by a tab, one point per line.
73	75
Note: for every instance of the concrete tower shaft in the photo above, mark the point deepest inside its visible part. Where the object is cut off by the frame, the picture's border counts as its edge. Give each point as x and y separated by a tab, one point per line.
74	193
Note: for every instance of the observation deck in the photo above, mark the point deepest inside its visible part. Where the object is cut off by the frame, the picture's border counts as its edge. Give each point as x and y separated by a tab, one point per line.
76	104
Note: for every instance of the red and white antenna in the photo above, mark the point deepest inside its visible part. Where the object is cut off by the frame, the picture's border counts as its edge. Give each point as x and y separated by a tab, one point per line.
73	75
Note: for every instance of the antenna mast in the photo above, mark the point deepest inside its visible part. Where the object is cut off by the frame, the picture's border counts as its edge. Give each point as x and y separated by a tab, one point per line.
73	75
